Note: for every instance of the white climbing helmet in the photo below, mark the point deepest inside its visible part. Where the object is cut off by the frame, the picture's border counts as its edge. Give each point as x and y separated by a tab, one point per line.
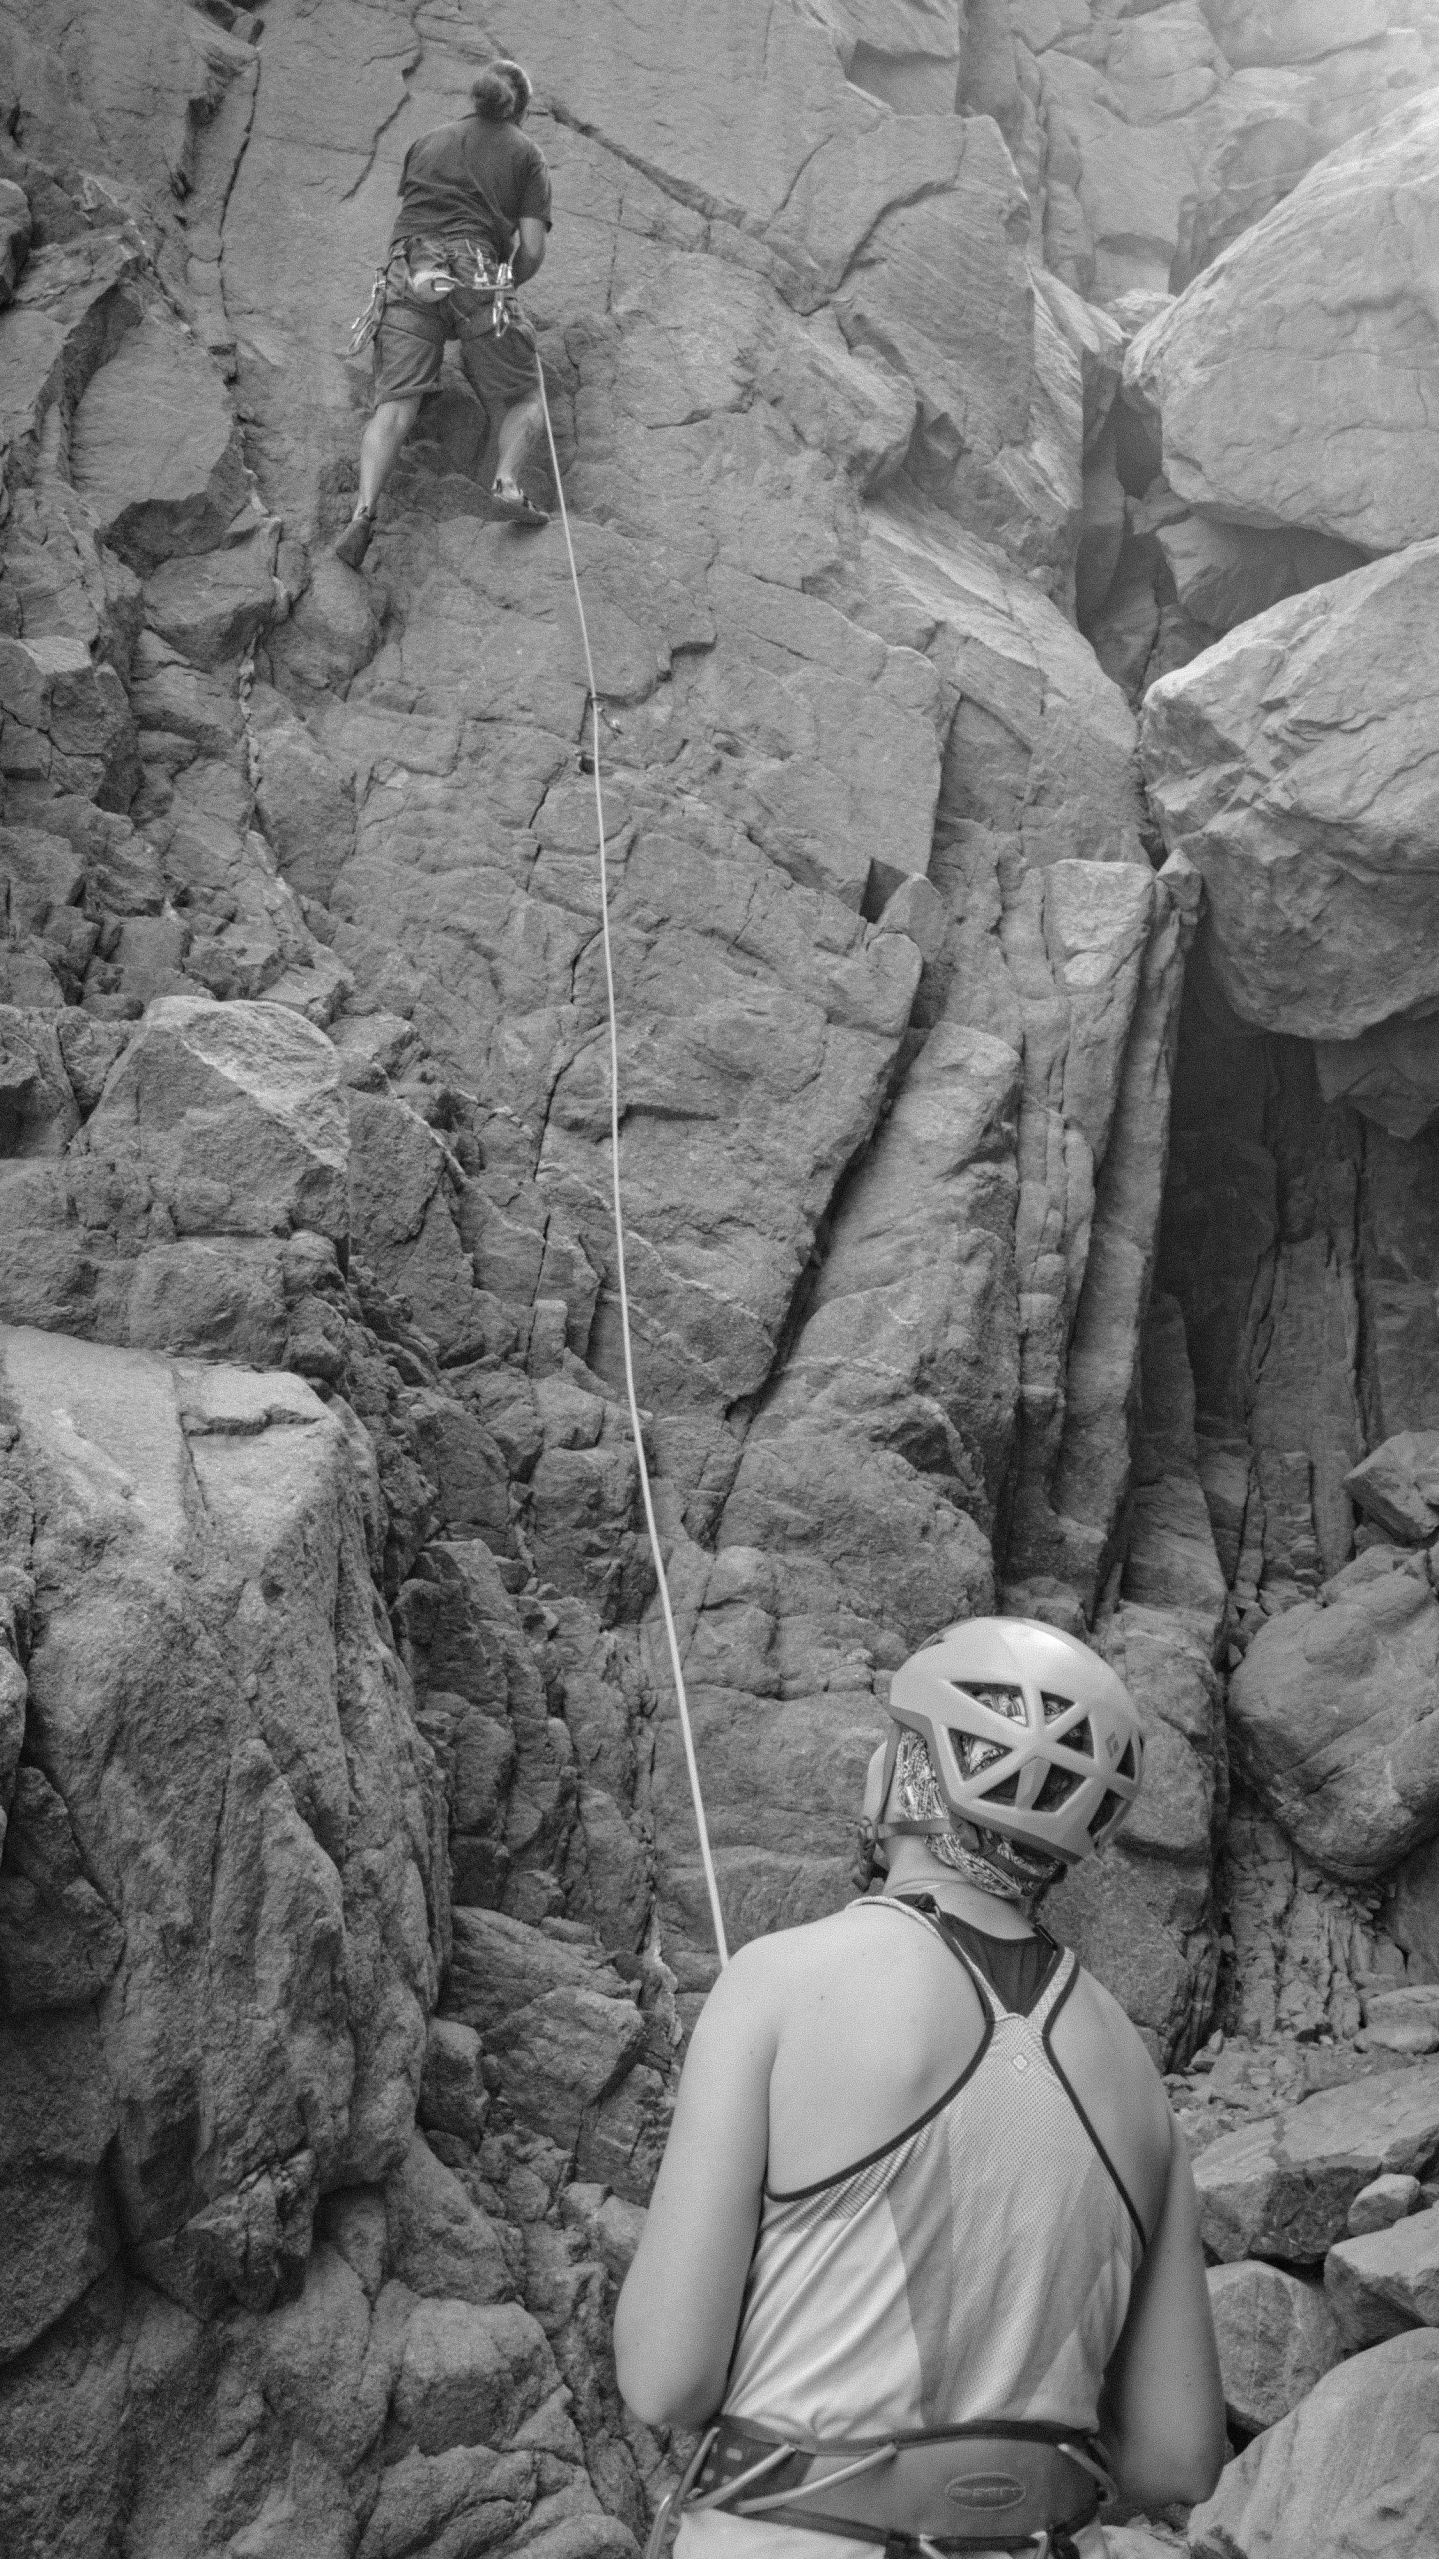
1029	1733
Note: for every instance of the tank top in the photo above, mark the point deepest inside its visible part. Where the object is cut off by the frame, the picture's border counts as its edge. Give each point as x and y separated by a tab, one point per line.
978	2265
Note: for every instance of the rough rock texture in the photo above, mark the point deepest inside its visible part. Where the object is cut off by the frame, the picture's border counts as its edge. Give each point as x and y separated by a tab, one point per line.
1277	2338
1336	282
348	1942
1384	2281
1355	2464
1292	765
1283	2188
1333	1711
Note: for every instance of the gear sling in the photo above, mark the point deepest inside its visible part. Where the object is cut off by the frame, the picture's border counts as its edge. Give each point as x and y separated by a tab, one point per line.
981	2261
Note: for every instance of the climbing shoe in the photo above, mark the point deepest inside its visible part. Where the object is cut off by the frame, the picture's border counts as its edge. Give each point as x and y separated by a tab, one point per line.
509	501
354	542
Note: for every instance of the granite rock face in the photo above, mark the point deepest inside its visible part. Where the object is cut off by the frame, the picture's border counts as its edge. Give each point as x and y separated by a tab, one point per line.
350	1917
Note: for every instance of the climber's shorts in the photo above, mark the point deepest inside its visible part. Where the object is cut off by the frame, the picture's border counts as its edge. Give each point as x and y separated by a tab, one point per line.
410	347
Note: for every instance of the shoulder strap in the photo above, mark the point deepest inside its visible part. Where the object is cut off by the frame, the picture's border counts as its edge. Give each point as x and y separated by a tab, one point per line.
1055	1989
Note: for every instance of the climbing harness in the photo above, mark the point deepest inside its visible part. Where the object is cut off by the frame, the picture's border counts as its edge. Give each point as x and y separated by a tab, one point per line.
617	1207
428	271
983	2487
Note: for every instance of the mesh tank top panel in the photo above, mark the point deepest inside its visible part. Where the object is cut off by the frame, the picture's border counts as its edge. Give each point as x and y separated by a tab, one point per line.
981	2267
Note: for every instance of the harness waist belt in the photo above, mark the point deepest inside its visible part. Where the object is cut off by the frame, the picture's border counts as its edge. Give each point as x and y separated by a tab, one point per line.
988	2486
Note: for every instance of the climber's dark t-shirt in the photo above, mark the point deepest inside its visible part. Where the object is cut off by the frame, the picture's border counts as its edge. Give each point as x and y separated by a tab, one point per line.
474	178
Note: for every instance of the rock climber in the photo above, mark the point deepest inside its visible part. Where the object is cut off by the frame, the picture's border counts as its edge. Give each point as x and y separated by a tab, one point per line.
473	214
923	2258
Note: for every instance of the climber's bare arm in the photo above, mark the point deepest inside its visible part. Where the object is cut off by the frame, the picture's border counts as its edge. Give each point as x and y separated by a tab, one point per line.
678	2314
1163	2412
528	255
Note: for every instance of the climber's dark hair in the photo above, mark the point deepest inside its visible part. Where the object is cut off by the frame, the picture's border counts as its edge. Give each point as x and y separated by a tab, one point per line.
502	92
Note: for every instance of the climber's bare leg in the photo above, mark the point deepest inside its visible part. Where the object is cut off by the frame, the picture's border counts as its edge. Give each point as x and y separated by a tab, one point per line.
518	429
379	448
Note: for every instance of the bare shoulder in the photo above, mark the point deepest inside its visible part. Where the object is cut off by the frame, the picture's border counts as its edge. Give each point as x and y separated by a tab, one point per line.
767	1974
1098	2015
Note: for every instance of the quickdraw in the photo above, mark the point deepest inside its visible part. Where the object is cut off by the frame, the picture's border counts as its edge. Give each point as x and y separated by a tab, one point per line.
429	271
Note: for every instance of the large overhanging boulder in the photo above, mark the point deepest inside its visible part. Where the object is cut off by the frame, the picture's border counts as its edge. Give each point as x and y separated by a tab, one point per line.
1291	381
1296	764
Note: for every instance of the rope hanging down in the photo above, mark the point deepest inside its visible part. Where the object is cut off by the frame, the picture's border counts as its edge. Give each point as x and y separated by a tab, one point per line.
682	1700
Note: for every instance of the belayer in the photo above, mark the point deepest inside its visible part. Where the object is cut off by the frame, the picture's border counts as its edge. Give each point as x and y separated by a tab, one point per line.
473	213
923	2258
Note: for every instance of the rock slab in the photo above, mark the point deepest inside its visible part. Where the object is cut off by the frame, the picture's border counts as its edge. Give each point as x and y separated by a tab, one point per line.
1385	2281
1336	286
1282	2188
1355	2468
1277	2339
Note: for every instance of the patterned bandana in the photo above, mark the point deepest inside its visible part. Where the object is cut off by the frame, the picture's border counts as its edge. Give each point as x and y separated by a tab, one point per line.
994	1864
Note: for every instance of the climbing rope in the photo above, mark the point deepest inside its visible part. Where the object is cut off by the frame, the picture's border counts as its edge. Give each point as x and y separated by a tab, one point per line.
711	1884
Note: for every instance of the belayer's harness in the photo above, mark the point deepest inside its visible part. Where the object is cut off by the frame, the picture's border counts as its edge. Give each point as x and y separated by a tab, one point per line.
428	271
987	2486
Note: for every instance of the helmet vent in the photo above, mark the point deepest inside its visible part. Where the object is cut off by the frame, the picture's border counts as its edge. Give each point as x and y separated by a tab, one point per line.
1059	1785
1005	1790
1000	1701
1080	1736
973	1755
1126	1767
1109	1811
1054	1705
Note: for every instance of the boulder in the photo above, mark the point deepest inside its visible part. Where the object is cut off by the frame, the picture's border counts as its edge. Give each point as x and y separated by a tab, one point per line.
154	447
65	724
212	608
233	1115
1397	1487
454	2100
222	1727
1277	2338
469	2376
1379	2206
1334	1713
1311	833
1355	2467
1385	2280
1334	282
1283	2187
1403	2021
555	2016
440	2243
